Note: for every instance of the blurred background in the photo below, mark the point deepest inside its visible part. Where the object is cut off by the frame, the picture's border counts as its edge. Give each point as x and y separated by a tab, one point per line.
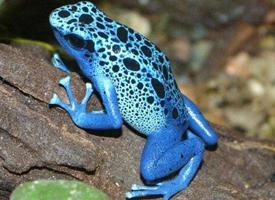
222	52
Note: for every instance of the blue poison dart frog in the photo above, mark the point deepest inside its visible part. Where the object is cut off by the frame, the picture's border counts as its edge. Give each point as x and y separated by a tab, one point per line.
135	82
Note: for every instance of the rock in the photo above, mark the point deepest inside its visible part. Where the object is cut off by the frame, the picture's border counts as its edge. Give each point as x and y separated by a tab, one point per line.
37	142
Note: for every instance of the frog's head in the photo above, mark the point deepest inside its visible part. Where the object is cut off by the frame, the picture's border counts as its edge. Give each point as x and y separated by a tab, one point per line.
75	26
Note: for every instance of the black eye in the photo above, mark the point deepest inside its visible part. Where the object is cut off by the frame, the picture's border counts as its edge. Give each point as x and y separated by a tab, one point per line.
75	41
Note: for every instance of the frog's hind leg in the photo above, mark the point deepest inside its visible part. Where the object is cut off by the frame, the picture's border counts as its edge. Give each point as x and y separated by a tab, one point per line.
165	153
59	64
198	124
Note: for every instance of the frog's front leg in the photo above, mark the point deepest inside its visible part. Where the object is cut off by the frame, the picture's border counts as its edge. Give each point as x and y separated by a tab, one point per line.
108	119
59	64
164	154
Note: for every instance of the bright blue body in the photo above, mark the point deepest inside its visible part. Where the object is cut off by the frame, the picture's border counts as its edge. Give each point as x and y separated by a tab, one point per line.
136	84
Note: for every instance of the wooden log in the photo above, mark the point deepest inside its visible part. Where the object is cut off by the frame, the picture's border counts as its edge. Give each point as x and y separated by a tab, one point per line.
38	142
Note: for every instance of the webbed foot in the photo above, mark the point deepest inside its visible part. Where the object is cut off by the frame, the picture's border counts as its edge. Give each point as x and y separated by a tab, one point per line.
73	108
166	189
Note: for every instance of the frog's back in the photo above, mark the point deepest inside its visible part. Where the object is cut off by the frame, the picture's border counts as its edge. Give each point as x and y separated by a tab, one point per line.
148	96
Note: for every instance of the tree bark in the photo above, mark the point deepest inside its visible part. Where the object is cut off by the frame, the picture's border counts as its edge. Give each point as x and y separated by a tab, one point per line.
38	142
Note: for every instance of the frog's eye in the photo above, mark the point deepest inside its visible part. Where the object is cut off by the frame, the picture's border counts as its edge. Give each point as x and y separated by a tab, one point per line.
75	41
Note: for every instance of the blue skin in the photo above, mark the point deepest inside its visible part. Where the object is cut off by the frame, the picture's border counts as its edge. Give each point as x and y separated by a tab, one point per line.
136	84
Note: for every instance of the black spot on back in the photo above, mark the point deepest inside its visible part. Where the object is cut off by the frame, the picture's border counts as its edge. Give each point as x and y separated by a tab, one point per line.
94	10
85	19
150	100
131	64
149	44
135	52
116	48
158	87
131	30
155	66
71	21
107	19
165	72
122	34
147	52
113	58
99	25
102	63
175	113
128	46
73	8
101	50
115	68
103	35
85	9
161	59
64	13
138	36
140	86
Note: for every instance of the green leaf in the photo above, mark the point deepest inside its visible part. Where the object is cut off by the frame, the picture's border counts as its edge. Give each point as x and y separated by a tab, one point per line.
56	190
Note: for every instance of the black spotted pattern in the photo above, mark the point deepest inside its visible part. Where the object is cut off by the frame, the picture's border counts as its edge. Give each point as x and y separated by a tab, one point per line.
147	93
158	87
146	51
63	13
85	19
131	64
122	34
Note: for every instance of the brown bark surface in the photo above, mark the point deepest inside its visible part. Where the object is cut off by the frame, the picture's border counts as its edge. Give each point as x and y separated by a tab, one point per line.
37	142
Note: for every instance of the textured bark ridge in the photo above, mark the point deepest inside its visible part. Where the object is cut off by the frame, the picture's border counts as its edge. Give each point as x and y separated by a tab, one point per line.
37	142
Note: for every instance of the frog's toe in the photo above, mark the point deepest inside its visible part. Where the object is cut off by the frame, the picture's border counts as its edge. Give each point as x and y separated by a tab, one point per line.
165	189
65	82
141	187
59	64
89	92
140	193
142	190
56	101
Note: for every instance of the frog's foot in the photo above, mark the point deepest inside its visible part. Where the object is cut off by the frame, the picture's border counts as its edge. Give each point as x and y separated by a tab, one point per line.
169	188
96	120
73	108
59	64
166	189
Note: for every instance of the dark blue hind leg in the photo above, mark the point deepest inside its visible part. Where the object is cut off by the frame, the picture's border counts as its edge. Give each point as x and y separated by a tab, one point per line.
198	124
165	153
